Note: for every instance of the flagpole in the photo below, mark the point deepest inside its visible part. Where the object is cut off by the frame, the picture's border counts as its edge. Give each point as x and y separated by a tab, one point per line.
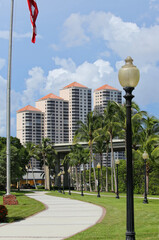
9	99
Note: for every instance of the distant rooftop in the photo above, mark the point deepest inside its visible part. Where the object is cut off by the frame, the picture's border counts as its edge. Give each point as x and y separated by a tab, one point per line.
75	84
29	108
50	95
106	86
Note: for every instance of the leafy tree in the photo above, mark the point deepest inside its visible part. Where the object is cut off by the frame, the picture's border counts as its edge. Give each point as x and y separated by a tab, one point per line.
18	159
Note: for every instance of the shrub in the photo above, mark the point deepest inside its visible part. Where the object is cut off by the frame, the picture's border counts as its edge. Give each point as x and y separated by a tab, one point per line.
3	213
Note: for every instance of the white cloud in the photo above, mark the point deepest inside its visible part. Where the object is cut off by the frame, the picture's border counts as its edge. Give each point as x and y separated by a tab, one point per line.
154	4
2	63
123	38
74	30
5	35
65	63
91	75
103	67
119	64
34	86
55	47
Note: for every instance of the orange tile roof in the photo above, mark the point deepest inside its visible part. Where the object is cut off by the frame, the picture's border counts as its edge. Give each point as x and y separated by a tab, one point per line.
29	108
75	84
106	86
50	95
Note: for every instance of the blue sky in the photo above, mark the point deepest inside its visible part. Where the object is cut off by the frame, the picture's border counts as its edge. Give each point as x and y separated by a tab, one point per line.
83	41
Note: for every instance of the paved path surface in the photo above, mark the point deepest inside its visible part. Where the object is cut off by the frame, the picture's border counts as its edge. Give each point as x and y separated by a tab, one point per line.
63	218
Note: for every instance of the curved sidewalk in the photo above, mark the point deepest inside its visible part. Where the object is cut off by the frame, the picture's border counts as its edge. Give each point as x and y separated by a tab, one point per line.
63	218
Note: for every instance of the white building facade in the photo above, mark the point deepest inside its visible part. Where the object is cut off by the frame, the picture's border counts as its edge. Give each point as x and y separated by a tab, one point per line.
103	95
80	104
55	111
30	127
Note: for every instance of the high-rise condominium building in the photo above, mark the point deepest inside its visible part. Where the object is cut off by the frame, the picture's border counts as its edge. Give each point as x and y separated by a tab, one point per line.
30	126
79	98
55	111
103	95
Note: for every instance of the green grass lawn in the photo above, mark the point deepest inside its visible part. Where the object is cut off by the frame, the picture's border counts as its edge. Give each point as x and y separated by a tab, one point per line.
113	226
25	208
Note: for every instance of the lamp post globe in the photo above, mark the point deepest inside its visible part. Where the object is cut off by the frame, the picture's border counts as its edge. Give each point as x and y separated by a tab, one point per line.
117	162
129	77
98	167
145	156
129	74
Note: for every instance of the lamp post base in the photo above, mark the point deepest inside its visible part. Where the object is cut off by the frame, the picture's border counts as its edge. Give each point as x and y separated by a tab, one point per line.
130	235
98	195
145	201
117	196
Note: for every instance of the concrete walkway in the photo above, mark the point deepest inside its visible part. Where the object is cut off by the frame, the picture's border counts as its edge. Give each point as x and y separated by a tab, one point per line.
63	218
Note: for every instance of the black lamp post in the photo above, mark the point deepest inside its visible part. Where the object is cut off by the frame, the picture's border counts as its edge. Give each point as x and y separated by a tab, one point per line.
98	167
117	164
82	183
63	173
145	157
69	181
129	77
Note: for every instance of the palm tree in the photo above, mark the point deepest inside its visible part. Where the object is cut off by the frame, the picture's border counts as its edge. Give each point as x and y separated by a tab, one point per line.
111	125
76	157
101	145
30	148
149	142
86	133
137	118
48	154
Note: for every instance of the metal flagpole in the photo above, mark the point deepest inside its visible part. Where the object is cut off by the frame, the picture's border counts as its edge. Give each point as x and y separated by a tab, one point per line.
8	98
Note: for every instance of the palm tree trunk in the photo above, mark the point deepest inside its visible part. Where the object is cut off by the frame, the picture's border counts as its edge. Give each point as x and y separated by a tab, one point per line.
106	184
112	157
90	167
113	167
147	178
84	177
80	178
47	177
77	182
94	171
101	163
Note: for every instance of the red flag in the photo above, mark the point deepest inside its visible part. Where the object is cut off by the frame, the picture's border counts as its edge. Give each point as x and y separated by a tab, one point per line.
33	15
